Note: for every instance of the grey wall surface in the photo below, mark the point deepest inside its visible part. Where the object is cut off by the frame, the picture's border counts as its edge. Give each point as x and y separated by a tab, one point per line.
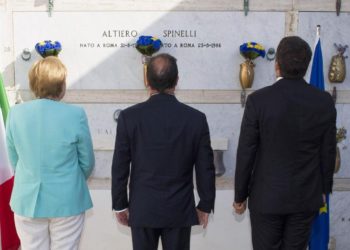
83	22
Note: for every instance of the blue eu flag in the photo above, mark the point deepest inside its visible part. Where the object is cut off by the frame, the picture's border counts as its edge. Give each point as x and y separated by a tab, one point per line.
317	78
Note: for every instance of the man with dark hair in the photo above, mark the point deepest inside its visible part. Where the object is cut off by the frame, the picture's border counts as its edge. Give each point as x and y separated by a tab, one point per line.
286	153
293	57
164	141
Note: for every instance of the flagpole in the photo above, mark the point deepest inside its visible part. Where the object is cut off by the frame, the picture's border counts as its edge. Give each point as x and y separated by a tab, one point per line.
318	31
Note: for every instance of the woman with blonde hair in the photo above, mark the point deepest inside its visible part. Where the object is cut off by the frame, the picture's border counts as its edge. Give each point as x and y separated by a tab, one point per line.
51	152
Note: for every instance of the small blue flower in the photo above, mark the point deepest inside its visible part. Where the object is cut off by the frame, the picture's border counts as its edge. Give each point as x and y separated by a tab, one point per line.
48	45
57	45
48	48
157	44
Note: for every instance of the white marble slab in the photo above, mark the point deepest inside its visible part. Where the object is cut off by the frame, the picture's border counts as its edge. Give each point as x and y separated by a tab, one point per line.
224	123
334	29
93	67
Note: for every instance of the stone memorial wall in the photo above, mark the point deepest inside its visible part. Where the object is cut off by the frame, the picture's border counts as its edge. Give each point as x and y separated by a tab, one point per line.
99	52
105	70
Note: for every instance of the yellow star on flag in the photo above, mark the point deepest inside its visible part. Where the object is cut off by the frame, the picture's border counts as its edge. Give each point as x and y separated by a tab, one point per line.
323	209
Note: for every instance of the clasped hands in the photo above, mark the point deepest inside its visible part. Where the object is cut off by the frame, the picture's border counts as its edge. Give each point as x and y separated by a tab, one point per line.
123	217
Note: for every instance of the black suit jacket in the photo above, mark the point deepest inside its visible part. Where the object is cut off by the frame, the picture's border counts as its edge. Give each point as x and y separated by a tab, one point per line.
163	140
286	151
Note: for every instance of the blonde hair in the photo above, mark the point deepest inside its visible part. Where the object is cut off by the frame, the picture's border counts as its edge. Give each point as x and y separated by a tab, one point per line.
47	77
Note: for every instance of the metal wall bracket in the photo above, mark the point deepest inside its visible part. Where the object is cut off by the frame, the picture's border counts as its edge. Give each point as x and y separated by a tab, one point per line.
243	98
26	54
50	6
271	54
219	163
334	94
246	7
338	6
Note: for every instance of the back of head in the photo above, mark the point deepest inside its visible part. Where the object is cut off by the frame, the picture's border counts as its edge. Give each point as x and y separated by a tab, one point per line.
162	72
293	57
47	77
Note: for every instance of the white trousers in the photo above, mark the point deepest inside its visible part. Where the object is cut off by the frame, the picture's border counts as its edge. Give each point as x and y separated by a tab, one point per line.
62	233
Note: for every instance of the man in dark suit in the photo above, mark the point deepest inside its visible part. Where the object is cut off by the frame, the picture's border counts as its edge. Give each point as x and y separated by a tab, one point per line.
164	141
286	153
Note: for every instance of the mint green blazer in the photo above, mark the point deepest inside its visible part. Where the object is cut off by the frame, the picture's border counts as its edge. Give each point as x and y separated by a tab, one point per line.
50	149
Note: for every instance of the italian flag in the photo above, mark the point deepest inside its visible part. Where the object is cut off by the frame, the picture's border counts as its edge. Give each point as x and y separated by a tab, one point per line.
9	238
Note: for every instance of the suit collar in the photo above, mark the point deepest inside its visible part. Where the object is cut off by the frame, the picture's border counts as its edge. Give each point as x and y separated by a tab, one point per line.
285	81
162	96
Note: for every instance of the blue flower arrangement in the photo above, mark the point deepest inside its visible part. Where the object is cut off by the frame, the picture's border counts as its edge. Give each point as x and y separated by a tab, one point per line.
252	50
48	48
148	45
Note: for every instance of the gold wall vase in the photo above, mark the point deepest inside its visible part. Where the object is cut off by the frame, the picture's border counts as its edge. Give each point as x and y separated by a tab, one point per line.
145	61
145	75
337	69
246	74
337	161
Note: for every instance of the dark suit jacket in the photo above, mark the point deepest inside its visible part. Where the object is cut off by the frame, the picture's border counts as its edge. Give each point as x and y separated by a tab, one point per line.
286	151
163	140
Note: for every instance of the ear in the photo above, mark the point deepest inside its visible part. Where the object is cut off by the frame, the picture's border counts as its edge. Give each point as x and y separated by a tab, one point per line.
277	69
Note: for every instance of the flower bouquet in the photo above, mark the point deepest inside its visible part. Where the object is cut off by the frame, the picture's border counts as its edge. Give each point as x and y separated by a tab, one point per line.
249	51
340	136
48	48
252	50
147	46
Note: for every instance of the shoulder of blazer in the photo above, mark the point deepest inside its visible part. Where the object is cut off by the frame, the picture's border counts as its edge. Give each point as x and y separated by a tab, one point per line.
322	93
19	109
262	92
193	112
73	113
324	96
20	106
134	108
73	108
